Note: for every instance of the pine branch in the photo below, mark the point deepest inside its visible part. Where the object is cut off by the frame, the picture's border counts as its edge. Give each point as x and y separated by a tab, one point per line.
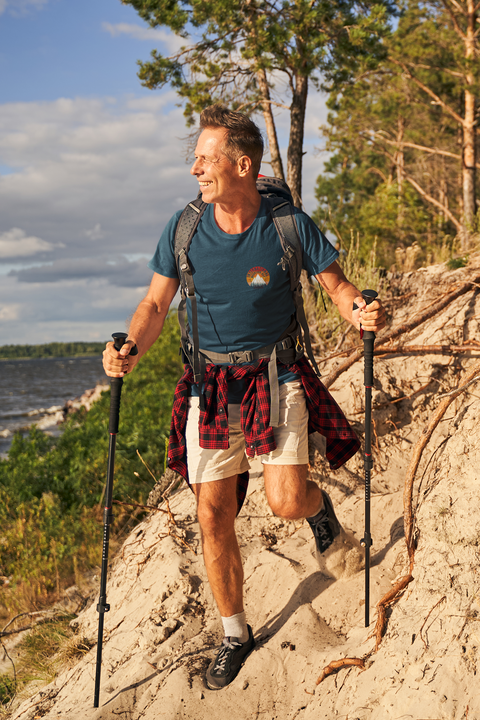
432	67
454	19
458	6
414	146
435	202
429	91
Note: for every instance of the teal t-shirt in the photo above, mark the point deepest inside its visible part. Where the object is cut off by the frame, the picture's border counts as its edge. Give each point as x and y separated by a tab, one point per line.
244	299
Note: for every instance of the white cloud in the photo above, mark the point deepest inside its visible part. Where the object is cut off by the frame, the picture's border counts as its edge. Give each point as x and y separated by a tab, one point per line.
21	7
96	233
87	167
139	32
16	243
9	313
112	169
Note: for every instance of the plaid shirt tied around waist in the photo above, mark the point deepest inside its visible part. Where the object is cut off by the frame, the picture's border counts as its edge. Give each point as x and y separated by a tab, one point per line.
325	416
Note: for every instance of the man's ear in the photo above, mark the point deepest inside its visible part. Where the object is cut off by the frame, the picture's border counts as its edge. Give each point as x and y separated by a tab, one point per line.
244	165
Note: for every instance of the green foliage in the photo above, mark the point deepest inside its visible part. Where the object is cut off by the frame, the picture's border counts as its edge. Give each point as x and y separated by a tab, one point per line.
51	489
248	54
459	262
395	172
363	273
55	349
230	42
7	689
42	652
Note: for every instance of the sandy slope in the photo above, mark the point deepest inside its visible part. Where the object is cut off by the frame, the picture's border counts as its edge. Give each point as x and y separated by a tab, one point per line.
163	627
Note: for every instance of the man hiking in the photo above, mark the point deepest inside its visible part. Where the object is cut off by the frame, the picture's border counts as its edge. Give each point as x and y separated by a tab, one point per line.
247	389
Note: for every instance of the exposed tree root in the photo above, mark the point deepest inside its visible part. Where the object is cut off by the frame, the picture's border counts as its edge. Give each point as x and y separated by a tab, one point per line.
337	665
425	621
435	307
419	349
396	592
417	454
392	595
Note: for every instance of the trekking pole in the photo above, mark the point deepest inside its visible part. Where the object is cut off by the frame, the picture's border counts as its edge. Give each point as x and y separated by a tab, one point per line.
103	606
368	340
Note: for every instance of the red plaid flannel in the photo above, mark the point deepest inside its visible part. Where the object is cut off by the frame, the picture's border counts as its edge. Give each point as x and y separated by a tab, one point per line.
325	416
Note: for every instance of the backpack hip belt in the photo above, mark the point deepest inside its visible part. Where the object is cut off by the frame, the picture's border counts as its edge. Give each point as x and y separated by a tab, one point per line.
287	350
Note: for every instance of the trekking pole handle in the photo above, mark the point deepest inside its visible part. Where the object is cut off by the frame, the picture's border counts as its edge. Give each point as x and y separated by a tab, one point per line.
368	338
369	296
116	384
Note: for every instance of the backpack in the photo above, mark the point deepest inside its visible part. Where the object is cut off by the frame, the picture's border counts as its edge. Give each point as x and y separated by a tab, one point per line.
290	347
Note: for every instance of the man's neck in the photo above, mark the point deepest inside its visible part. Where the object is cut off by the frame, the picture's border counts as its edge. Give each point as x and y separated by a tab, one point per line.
235	218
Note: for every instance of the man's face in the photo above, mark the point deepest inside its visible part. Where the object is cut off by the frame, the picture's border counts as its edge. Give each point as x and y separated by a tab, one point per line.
217	177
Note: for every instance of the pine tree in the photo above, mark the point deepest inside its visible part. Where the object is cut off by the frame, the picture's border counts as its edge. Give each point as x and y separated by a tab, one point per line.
257	55
403	134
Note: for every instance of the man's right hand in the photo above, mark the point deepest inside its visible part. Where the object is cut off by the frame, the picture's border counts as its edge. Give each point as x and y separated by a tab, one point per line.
119	363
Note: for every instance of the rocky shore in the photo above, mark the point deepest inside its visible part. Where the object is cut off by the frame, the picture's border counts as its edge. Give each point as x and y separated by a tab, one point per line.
47	419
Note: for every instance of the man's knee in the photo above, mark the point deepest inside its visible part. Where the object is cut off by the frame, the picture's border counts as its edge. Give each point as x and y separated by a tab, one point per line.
286	488
287	507
216	508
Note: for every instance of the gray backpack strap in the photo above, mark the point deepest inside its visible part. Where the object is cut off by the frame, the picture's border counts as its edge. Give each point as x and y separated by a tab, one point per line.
186	228
287	229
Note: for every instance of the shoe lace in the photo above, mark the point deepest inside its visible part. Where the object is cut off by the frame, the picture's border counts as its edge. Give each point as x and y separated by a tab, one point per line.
322	529
228	646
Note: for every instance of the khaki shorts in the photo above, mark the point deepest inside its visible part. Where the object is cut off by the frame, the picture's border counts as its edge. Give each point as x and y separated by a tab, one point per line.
291	437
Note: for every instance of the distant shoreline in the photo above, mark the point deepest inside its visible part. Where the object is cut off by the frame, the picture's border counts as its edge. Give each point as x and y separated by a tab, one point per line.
51	350
51	357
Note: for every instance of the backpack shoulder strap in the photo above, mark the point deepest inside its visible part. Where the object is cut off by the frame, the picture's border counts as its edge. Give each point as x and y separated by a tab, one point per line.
186	228
187	225
284	219
287	230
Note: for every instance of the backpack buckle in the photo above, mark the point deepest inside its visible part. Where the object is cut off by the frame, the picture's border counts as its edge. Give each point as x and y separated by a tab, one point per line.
237	357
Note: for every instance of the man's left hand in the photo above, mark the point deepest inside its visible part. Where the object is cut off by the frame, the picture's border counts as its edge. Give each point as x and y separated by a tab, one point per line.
371	317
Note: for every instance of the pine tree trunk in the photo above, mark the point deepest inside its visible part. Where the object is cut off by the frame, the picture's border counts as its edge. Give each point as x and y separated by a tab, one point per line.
295	144
399	159
468	170
276	158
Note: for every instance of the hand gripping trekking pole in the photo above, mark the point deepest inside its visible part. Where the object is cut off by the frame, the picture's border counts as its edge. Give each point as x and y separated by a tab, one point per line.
368	341
103	606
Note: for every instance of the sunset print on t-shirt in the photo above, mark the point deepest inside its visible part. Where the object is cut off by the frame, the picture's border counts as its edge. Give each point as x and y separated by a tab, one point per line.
258	277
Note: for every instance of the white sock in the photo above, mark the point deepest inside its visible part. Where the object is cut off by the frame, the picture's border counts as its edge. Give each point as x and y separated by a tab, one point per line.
236	626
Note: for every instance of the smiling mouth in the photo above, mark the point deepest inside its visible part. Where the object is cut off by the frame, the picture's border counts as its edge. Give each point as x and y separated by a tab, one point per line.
205	184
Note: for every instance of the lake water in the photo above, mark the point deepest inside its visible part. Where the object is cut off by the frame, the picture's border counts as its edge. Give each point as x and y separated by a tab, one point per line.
33	384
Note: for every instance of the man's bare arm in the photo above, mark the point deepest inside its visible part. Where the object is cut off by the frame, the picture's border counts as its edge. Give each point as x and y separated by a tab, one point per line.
344	294
145	326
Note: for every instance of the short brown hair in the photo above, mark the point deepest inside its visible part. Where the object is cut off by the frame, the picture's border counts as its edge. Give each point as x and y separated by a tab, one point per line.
243	136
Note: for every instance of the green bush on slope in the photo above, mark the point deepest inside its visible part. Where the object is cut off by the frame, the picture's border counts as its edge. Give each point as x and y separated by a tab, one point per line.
51	489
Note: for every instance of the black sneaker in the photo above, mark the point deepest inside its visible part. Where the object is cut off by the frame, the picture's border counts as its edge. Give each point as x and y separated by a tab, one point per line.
325	525
229	660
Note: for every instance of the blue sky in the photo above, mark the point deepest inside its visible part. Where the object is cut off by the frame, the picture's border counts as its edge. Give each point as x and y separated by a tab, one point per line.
92	165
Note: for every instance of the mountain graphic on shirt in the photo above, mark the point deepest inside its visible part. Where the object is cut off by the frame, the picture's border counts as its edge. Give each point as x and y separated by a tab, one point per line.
258	277
257	281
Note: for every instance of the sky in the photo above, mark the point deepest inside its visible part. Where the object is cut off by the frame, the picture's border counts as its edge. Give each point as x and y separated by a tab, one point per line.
92	166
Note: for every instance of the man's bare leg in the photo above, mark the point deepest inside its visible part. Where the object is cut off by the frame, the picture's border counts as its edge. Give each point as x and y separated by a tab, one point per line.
289	493
217	509
292	496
